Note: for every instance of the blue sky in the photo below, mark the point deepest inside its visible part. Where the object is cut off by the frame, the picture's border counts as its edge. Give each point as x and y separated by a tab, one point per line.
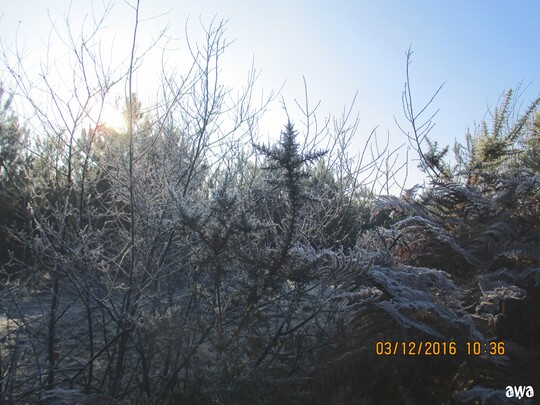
479	48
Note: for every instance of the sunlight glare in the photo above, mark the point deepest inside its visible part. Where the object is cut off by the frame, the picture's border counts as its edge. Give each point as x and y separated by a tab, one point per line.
112	118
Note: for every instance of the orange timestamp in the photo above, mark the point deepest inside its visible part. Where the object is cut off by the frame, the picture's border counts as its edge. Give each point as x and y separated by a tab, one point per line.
438	348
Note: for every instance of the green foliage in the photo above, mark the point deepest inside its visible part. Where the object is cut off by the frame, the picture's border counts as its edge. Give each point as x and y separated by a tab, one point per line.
288	162
285	163
507	142
435	160
531	144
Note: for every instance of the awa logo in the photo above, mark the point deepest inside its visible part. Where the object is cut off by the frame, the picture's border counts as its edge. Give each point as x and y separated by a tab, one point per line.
519	391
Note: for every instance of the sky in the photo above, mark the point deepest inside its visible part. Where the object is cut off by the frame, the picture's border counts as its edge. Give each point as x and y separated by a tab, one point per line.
477	48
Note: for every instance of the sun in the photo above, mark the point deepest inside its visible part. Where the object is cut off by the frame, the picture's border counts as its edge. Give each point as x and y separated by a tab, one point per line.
112	118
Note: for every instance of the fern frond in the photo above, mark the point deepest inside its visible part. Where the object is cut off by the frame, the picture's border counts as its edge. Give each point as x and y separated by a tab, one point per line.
363	296
397	204
500	230
454	197
425	234
345	268
521	254
424	300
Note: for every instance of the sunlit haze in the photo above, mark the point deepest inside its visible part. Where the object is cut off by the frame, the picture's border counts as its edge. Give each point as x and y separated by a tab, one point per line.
112	117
